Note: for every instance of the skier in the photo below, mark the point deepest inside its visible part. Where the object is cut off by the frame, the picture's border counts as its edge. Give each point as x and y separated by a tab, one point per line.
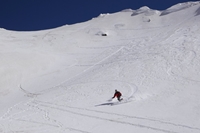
118	95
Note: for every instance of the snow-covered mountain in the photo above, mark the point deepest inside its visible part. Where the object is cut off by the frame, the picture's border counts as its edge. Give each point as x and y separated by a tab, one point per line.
62	80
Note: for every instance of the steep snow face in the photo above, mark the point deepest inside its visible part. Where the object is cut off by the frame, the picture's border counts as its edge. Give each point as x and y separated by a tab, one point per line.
62	80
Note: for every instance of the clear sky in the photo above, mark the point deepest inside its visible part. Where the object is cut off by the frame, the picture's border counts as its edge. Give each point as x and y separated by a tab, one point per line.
26	15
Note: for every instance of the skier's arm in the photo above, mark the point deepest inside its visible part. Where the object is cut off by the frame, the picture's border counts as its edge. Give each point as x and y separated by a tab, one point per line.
114	95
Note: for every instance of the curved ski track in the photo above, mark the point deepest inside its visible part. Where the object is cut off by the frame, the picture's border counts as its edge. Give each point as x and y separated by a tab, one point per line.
42	107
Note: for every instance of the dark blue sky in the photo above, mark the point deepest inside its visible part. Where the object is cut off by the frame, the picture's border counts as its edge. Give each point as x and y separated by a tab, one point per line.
26	15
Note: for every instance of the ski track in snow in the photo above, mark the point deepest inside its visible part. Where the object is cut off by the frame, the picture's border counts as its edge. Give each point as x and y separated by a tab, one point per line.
7	116
43	106
23	113
89	68
76	111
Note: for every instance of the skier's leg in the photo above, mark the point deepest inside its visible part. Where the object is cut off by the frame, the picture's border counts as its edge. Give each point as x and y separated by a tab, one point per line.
118	98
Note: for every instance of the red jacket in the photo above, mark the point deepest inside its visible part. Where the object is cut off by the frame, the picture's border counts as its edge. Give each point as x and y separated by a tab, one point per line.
117	94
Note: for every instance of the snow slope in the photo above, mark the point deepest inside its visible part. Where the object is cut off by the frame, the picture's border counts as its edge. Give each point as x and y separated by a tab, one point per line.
60	80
